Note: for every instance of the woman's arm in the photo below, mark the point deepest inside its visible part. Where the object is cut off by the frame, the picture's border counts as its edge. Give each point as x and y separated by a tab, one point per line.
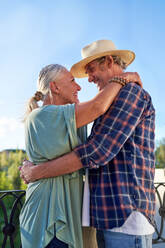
87	112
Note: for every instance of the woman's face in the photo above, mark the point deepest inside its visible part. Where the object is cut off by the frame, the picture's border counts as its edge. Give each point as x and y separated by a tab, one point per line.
68	88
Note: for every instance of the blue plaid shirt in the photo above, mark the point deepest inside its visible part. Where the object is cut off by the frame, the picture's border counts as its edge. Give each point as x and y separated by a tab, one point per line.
120	156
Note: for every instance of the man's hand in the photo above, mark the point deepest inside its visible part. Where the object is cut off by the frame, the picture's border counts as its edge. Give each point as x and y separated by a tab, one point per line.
27	172
133	77
65	164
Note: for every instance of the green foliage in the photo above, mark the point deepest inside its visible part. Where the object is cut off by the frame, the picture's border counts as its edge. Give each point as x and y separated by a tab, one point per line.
160	154
9	173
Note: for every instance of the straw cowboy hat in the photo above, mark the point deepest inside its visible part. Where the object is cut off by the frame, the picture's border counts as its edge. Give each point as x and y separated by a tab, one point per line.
98	49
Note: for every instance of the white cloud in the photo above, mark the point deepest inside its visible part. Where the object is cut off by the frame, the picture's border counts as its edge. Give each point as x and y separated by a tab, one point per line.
9	125
11	133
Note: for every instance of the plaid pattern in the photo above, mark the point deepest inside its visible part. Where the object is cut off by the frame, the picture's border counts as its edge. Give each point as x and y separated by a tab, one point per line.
120	156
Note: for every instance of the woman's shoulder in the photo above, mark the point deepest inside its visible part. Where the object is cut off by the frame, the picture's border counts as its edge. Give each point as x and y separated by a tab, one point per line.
49	108
50	111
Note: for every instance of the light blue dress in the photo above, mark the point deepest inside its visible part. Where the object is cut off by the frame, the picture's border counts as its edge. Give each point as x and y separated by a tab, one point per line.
53	206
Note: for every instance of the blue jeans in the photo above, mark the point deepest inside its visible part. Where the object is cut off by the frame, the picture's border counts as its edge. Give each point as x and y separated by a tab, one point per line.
108	239
56	243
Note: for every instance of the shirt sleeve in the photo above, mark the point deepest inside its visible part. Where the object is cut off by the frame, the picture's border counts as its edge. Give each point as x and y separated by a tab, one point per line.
111	130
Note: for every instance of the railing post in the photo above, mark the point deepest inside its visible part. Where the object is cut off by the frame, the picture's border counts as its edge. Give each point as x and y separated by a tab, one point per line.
10	205
159	235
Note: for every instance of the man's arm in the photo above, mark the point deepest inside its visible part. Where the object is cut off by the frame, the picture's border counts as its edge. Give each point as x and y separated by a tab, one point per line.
112	131
87	112
63	165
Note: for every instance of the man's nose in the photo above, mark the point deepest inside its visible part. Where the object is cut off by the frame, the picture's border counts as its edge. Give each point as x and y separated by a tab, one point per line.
90	78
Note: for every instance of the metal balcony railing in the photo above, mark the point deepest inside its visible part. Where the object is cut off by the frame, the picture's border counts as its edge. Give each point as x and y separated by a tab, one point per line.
11	202
159	235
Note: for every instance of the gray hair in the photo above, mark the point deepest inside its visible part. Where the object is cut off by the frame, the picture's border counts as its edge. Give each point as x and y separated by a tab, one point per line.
117	60
48	74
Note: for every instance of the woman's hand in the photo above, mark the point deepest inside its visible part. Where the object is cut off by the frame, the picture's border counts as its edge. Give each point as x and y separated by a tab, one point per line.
132	77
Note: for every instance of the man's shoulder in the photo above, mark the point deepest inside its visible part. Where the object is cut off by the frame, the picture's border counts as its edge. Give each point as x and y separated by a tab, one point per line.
132	86
130	93
133	89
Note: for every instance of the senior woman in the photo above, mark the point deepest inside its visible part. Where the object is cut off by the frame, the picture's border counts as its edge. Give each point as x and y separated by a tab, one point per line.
51	215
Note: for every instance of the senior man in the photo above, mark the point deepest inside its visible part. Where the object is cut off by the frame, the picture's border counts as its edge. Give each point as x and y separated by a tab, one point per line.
119	154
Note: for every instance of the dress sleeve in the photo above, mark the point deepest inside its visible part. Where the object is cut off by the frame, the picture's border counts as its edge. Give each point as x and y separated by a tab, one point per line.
52	132
111	130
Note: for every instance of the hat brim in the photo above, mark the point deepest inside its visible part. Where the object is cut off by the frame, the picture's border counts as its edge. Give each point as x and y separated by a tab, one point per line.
78	69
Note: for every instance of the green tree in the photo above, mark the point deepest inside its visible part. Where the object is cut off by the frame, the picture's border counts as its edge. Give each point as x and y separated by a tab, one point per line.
160	154
4	183
3	161
9	173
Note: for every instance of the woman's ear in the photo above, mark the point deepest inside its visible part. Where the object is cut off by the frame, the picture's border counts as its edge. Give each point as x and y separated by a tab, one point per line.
54	87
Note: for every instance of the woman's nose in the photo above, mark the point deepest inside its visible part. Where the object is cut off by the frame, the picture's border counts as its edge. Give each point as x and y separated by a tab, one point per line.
78	87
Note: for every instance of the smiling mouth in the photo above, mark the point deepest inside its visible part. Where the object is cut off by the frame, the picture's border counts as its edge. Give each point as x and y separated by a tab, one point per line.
97	83
75	95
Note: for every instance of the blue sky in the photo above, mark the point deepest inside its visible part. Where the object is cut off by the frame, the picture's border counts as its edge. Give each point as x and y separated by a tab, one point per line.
35	33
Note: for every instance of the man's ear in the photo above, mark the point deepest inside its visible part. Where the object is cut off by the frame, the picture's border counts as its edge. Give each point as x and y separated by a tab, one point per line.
54	87
109	61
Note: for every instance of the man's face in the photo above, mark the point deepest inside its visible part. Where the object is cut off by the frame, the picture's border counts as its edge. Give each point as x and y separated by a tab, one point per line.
68	88
98	73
